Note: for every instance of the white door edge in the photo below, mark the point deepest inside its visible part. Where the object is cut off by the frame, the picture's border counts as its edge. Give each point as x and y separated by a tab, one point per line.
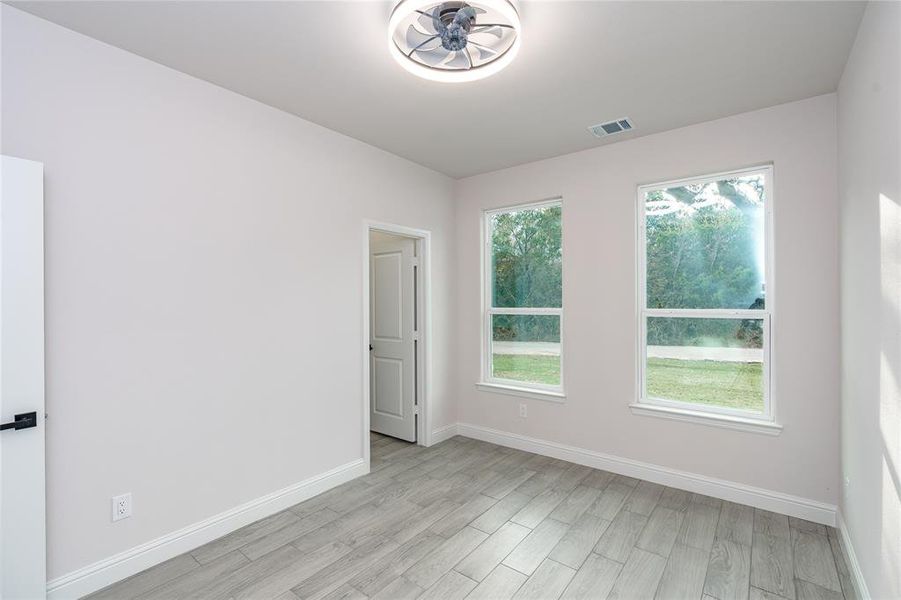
23	570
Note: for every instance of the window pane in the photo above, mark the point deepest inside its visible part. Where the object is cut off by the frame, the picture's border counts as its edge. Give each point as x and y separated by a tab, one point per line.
706	361
705	245
526	348
526	258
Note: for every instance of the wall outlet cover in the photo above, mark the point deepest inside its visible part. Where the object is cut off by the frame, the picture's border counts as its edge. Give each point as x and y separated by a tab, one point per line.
121	506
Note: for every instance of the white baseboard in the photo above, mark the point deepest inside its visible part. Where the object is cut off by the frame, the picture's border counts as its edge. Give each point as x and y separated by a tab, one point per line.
794	506
100	574
444	433
115	568
860	584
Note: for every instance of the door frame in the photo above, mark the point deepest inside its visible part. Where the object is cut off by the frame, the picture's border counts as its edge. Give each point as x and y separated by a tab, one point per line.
423	239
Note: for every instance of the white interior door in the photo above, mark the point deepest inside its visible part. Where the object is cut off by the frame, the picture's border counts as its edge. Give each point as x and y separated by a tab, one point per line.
22	533
392	362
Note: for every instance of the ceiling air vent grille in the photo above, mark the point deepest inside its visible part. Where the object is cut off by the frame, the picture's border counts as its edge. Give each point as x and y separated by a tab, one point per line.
605	129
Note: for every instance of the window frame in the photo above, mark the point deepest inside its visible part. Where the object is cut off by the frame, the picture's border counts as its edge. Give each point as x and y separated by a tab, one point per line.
764	421
488	382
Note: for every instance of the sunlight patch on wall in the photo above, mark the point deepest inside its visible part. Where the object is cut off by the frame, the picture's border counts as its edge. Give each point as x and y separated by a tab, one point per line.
890	383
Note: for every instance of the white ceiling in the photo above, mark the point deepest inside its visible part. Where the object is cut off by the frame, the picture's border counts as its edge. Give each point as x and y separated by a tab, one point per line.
663	64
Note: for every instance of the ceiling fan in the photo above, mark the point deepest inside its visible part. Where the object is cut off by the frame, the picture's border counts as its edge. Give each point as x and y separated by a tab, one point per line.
454	40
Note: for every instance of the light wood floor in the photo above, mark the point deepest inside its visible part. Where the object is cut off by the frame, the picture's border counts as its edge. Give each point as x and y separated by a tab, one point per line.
468	519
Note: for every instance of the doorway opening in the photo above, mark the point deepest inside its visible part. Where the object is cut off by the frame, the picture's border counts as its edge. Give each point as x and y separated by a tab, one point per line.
396	335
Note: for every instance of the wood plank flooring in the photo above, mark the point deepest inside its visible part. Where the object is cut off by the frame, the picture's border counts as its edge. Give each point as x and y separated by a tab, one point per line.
468	519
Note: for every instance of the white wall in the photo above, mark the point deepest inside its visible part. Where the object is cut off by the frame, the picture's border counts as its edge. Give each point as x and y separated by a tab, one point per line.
598	188
869	134
204	268
203	277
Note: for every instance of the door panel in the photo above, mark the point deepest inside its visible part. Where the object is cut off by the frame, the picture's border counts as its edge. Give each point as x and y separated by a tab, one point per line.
387	393
22	527
392	387
387	305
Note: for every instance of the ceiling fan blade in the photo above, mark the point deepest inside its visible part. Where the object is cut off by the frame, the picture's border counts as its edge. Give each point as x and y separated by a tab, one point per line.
469	57
418	39
485	53
431	21
431	57
495	32
495	29
459	60
433	44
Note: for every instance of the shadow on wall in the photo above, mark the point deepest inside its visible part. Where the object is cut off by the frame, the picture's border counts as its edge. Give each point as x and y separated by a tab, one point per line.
890	386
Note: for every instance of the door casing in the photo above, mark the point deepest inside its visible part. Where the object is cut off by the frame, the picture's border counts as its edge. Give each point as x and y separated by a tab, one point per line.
424	303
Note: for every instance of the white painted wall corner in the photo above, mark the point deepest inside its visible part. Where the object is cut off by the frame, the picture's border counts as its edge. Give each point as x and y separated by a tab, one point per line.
860	584
100	574
443	433
786	504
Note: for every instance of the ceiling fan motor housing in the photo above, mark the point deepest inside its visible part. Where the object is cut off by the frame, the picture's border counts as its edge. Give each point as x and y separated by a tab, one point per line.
448	12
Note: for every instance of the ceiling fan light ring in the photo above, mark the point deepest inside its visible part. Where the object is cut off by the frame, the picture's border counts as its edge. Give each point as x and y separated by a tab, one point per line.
403	10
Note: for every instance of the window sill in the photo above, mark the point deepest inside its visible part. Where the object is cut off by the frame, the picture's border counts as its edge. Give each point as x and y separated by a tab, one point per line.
706	418
522	392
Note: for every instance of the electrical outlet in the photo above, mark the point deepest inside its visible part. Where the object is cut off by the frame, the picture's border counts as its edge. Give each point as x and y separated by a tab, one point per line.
121	506
523	410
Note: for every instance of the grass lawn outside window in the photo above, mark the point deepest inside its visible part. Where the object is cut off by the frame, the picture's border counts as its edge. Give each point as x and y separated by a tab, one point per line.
731	384
726	384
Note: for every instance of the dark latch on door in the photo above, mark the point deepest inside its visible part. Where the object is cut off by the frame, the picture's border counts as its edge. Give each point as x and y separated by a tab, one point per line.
22	421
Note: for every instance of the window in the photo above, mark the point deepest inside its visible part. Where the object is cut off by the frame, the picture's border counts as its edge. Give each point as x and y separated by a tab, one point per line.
523	290
705	296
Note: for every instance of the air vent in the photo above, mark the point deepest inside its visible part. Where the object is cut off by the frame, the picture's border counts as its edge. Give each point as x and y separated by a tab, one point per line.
605	129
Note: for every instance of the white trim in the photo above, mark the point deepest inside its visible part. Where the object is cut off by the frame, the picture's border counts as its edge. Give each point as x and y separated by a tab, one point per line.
706	313
522	392
552	201
794	506
488	310
497	310
444	433
100	574
708	178
424	240
769	416
702	417
860	584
